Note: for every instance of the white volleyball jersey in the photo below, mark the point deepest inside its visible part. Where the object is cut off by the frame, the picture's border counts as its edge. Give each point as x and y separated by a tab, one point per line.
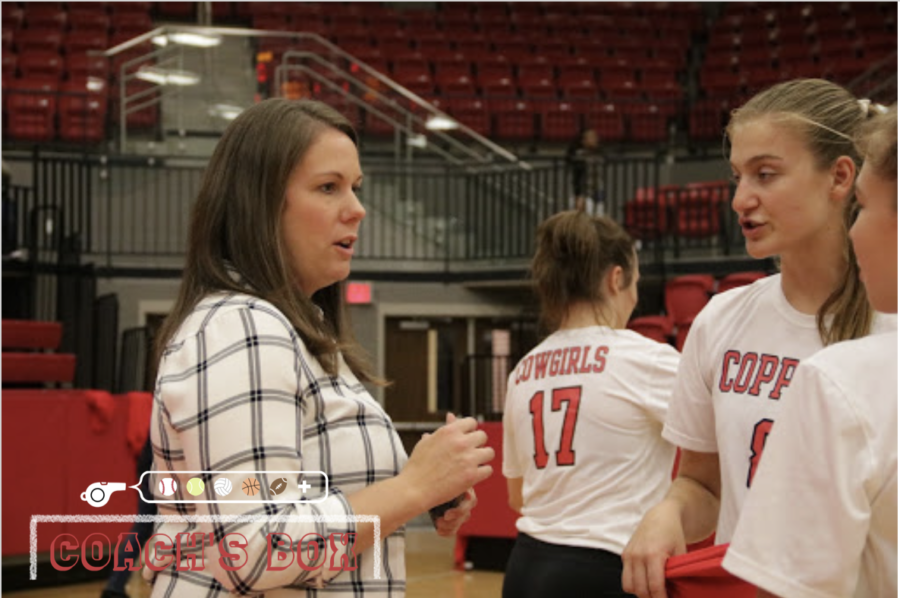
821	519
741	354
582	426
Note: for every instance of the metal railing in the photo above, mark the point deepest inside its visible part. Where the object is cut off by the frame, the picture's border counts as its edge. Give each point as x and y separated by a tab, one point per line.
111	208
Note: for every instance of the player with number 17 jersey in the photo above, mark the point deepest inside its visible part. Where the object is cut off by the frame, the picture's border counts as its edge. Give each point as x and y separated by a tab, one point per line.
739	358
582	426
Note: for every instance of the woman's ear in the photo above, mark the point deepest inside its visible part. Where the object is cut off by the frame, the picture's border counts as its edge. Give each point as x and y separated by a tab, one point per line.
844	177
613	280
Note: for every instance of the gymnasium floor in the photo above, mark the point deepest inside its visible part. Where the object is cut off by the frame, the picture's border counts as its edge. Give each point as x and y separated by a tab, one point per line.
429	566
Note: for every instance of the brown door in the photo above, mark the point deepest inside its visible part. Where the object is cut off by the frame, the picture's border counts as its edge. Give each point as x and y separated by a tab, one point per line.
425	372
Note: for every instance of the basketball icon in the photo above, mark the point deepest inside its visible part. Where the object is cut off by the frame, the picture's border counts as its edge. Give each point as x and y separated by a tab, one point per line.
278	486
168	486
250	487
195	486
223	486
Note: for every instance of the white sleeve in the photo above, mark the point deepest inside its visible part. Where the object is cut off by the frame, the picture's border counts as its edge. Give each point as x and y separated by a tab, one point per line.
661	375
691	421
804	525
512	467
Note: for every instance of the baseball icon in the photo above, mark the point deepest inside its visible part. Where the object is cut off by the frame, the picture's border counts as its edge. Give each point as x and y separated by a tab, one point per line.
223	486
195	486
250	487
278	486
168	486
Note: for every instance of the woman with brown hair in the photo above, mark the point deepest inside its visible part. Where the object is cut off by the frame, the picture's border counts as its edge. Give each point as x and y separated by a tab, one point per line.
795	163
259	379
582	447
821	519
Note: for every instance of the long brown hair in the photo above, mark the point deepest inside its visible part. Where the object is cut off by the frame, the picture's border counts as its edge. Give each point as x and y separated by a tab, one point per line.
235	228
827	117
877	142
574	252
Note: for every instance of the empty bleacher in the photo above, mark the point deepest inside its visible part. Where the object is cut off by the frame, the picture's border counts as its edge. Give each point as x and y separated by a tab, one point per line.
516	72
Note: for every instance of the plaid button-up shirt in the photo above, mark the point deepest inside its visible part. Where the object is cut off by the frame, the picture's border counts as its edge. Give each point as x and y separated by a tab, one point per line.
237	391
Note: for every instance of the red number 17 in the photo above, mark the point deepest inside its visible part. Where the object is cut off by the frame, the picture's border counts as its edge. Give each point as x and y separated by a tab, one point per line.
565	455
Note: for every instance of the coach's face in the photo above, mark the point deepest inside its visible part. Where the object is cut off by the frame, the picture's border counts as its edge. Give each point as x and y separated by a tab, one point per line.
322	214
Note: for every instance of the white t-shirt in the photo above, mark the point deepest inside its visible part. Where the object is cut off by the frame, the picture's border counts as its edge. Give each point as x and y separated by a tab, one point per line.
582	426
740	355
821	519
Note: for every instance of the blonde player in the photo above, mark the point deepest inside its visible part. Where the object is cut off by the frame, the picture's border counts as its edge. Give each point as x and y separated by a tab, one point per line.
583	451
795	163
821	519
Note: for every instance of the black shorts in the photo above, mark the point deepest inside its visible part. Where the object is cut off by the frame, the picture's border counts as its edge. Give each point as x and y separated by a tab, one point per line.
539	569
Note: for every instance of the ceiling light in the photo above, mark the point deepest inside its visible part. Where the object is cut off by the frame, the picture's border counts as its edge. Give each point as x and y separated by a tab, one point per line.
441	123
198	40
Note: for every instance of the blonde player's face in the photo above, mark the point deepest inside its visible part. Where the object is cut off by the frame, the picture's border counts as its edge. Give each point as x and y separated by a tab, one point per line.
322	214
782	199
874	236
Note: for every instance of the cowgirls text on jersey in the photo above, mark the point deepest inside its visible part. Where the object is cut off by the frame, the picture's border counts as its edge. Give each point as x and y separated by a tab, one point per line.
562	362
757	375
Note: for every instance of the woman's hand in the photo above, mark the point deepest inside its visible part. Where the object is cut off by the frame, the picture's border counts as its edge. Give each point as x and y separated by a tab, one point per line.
448	462
658	537
453	518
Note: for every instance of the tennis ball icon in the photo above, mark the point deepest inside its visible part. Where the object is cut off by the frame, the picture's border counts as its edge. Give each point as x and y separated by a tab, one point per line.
195	486
223	486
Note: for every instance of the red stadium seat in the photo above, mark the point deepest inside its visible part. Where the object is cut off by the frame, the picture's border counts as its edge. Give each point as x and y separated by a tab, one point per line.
658	328
686	295
538	89
560	121
31	106
536	67
39	15
699	212
38	367
79	42
82	112
648	124
646	215
607	120
515	120
10	62
706	120
582	89
41	64
461	85
31	334
453	64
473	113
89	22
40	40
178	10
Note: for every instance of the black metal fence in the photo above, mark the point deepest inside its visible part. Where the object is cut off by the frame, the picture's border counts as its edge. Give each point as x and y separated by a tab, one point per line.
107	209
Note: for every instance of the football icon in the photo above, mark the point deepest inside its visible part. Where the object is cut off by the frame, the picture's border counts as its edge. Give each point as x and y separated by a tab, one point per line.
250	487
278	486
168	486
223	486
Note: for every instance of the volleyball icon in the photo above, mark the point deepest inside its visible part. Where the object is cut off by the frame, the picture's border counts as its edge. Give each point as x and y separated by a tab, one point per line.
223	486
250	487
195	486
168	486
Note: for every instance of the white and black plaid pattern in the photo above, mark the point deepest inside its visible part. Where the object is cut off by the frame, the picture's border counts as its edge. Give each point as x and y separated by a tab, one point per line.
237	391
